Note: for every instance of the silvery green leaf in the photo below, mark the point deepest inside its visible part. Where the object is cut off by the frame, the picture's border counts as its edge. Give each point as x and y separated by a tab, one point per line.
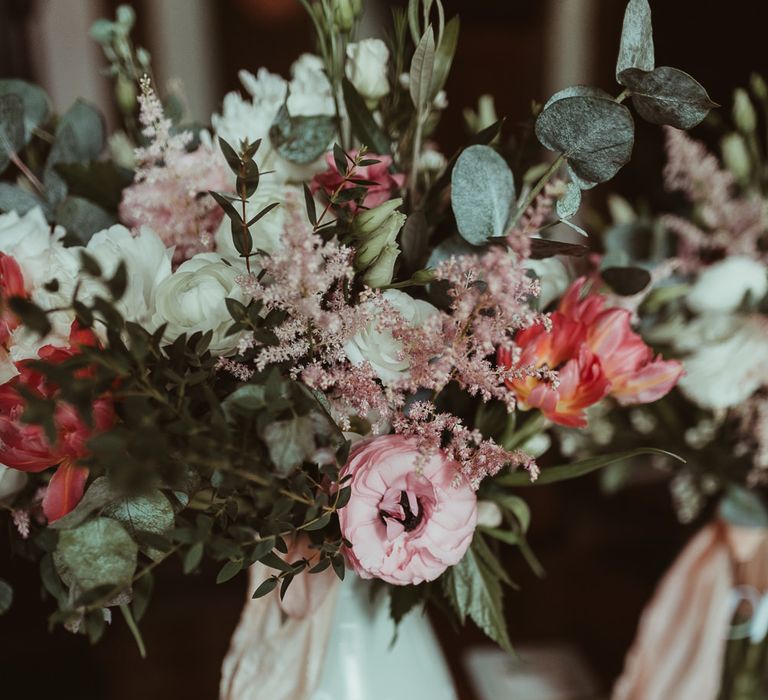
577	91
11	128
290	442
574	227
444	55
82	218
593	133
570	202
667	96
636	49
148	513
35	101
581	182
245	400
14	198
98	495
743	507
482	194
301	139
97	553
422	71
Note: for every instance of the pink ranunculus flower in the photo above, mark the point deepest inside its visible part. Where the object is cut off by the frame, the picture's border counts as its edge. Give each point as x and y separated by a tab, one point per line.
407	521
386	182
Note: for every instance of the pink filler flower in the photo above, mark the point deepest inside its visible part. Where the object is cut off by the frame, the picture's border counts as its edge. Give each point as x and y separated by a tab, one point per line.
409	517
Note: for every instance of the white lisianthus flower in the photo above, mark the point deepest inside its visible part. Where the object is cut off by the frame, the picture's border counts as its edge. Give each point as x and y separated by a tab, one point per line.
379	348
553	277
147	262
721	287
192	299
367	68
728	360
11	482
309	94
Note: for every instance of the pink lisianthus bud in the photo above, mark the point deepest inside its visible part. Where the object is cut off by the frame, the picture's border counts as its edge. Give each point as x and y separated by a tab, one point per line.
385	187
11	285
409	517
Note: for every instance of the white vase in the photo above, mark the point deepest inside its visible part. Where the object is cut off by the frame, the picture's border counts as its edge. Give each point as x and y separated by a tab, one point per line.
363	663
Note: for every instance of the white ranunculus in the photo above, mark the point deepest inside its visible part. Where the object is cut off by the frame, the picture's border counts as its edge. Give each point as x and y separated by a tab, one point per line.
553	277
241	119
11	482
721	287
147	262
367	68
192	299
379	348
728	360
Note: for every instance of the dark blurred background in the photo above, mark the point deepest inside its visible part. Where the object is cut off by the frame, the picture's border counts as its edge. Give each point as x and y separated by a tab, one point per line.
603	554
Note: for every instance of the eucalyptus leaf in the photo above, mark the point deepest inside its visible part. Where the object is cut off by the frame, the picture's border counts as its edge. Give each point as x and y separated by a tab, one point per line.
577	91
569	203
594	134
290	443
147	513
36	106
422	71
82	218
743	507
15	198
542	248
100	182
11	128
626	281
552	475
98	495
97	553
636	49
301	139
667	96
482	194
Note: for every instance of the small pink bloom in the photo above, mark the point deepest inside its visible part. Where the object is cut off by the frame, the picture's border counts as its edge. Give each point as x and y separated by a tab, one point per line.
410	517
386	182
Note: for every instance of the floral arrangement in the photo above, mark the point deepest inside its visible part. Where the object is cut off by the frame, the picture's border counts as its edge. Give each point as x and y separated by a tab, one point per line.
304	337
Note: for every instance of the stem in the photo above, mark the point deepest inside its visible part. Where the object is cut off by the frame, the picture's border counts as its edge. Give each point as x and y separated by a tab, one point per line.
243	199
417	138
512	439
622	96
537	188
27	173
134	630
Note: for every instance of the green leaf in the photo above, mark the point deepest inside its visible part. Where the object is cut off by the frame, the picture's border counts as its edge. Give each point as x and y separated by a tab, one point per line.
31	315
193	557
35	103
474	590
96	553
517	506
11	128
482	194
577	91
229	571
301	139
319	523
569	203
422	71
667	96
266	587
551	475
98	495
290	443
445	54
626	281
542	248
14	198
594	134
147	513
233	160
364	126
82	218
100	182
403	599
244	400
743	507
6	597
636	49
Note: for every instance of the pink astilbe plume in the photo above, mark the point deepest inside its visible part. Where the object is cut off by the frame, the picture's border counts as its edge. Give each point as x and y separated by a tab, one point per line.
726	223
170	191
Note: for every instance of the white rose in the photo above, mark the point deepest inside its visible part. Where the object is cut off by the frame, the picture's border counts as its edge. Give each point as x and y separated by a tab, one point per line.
379	348
192	299
367	68
11	482
147	262
721	287
553	277
729	360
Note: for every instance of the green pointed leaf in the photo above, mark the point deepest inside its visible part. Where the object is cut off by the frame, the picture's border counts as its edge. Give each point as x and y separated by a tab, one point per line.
636	49
302	139
482	194
82	218
266	587
667	96
445	54
193	557
552	475
229	571
422	71
364	126
594	134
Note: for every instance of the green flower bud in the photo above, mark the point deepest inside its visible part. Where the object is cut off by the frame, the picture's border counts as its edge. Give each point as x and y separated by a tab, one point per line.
125	93
743	112
372	245
380	273
344	15
371	220
736	156
758	86
126	17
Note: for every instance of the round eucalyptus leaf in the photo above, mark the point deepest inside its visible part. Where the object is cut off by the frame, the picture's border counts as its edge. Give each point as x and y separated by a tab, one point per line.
570	202
34	100
301	139
581	182
743	507
577	91
97	553
82	217
14	198
594	134
482	194
148	513
11	128
626	281
667	96
636	49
